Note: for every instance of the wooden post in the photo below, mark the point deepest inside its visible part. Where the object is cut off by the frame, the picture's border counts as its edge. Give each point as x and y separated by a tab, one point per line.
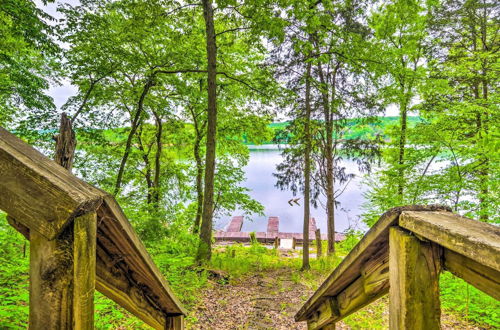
276	242
294	243
319	251
62	277
414	268
175	323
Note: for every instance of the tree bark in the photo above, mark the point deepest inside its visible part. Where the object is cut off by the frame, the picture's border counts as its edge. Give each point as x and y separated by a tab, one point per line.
157	170
147	164
65	143
133	130
307	171
484	171
330	175
205	248
199	183
403	109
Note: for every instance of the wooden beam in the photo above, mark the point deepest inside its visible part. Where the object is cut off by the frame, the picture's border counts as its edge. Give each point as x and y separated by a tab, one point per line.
114	279
324	315
482	277
127	246
84	270
371	285
350	268
62	277
175	322
414	282
473	239
39	193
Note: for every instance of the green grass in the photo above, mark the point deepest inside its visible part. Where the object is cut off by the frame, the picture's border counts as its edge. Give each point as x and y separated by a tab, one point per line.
467	302
174	257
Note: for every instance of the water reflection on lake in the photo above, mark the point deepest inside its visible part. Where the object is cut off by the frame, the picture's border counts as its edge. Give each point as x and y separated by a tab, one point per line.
261	182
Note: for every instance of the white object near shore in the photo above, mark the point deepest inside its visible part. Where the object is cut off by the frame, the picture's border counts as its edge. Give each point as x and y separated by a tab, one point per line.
286	243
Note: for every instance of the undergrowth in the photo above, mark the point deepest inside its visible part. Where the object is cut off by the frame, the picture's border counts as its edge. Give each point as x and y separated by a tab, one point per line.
174	256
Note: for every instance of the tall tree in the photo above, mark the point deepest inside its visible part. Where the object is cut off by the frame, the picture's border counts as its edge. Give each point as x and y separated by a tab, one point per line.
205	248
400	29
461	100
307	168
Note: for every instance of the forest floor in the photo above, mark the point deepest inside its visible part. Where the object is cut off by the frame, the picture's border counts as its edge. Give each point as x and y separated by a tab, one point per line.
269	299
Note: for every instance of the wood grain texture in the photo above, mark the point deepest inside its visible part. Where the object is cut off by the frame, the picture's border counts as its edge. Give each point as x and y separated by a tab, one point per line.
56	211
51	281
175	323
476	240
350	268
324	315
117	237
414	282
482	277
38	192
84	270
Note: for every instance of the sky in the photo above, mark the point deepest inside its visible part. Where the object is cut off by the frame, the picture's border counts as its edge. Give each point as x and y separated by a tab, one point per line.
61	93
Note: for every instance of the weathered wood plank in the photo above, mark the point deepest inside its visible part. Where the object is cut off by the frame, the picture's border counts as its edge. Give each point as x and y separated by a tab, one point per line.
371	285
375	272
55	210
84	270
476	240
482	277
414	282
350	268
51	281
175	322
38	192
324	315
127	246
62	277
116	280
354	297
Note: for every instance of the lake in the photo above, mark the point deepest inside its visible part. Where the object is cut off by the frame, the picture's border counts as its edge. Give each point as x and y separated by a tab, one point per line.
261	182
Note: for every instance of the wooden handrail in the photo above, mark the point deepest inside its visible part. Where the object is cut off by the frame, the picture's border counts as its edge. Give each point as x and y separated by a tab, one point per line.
389	258
44	201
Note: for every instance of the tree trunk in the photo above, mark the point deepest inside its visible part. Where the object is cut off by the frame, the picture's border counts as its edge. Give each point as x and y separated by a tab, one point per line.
199	184
307	171
133	130
330	175
65	143
484	170
147	164
157	170
403	108
319	249
205	248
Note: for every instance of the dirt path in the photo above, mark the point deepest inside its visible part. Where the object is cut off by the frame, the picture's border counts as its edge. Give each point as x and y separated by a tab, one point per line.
269	300
266	300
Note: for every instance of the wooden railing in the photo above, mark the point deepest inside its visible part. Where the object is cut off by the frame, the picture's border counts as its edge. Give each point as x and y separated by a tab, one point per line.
80	240
403	255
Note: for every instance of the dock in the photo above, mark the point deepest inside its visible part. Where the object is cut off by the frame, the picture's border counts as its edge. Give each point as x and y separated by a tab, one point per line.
233	232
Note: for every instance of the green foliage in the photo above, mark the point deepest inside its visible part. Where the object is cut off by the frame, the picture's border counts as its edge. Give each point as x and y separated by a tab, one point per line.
26	61
14	278
460	298
238	260
109	315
